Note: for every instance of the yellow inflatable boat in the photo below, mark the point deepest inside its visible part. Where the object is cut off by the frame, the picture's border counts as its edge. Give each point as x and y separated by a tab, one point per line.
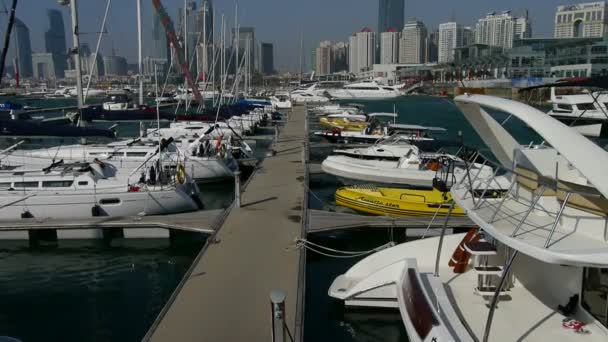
396	202
342	124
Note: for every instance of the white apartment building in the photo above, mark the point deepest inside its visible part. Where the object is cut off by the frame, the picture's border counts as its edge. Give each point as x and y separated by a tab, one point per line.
413	43
496	30
324	58
353	58
523	27
389	47
366	49
450	37
584	20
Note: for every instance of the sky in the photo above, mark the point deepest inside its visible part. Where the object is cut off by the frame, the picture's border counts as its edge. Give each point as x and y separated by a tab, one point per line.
276	21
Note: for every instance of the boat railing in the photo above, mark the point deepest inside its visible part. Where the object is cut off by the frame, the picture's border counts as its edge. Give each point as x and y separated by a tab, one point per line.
546	186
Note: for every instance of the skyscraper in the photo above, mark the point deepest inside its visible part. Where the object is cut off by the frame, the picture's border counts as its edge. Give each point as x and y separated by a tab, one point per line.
432	41
55	43
496	30
366	49
266	58
413	43
324	58
389	46
450	37
23	49
353	58
390	14
523	27
246	40
204	26
339	56
160	44
43	65
584	20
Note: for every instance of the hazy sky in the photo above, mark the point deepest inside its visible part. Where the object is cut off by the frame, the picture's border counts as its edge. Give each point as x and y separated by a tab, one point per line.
276	21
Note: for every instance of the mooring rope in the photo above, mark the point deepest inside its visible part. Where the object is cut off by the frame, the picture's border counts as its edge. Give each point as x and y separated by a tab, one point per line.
319	249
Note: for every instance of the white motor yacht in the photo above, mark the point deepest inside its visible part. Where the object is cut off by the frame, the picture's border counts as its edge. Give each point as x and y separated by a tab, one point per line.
307	95
402	164
586	111
366	90
537	267
281	100
85	190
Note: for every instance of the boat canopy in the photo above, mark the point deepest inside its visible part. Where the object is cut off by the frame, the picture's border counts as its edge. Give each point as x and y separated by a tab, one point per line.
588	82
417	128
582	153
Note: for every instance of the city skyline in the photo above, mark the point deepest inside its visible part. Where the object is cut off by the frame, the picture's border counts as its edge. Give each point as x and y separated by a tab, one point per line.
283	31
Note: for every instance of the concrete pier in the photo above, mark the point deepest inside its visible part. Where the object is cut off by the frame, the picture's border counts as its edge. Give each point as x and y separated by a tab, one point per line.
225	296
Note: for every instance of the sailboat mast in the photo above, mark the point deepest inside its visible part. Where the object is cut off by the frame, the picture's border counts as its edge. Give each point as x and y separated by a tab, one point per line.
140	54
301	49
7	38
186	59
237	38
76	52
205	9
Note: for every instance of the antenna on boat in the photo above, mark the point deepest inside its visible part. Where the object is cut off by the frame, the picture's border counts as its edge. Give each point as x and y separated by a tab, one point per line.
140	55
160	152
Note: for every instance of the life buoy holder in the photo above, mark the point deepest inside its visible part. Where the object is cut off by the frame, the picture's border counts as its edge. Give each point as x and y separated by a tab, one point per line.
180	173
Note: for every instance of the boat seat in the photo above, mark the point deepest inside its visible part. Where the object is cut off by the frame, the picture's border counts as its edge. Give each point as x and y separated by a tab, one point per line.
531	180
592	201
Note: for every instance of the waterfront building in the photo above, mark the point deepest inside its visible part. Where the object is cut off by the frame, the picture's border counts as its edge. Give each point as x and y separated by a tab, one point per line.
148	66
23	48
115	65
584	20
43	64
204	52
389	46
450	37
324	59
413	43
495	30
55	42
313	60
391	14
188	24
96	67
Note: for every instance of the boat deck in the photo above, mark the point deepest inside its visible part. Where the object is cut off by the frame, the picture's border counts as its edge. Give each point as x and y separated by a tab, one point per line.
225	296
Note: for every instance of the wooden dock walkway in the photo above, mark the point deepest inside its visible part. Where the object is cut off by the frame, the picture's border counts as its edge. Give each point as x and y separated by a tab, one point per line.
225	295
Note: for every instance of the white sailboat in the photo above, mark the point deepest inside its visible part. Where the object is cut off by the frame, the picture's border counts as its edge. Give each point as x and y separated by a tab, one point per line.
540	251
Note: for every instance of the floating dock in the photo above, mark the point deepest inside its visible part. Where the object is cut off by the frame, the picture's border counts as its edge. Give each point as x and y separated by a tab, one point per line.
225	294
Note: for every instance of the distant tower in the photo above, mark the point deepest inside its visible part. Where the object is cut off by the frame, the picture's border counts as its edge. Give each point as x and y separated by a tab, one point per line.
54	40
23	49
391	13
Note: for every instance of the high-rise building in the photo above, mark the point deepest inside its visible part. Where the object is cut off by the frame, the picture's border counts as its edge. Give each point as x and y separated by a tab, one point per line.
413	43
584	20
188	28
160	44
389	46
366	49
496	30
468	36
44	66
324	58
115	65
432	40
390	14
266	53
205	39
353	57
96	65
450	37
245	40
339	56
23	49
523	27
55	43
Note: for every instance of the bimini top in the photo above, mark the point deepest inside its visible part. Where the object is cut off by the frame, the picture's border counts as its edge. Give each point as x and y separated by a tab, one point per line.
590	159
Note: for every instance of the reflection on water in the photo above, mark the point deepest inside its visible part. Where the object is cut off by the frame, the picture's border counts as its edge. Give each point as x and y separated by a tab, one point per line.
88	291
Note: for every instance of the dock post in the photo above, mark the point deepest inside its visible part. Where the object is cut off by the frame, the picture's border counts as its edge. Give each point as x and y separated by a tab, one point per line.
237	189
276	134
277	306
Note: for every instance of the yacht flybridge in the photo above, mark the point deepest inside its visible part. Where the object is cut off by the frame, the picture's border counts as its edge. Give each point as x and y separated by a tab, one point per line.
536	268
367	90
